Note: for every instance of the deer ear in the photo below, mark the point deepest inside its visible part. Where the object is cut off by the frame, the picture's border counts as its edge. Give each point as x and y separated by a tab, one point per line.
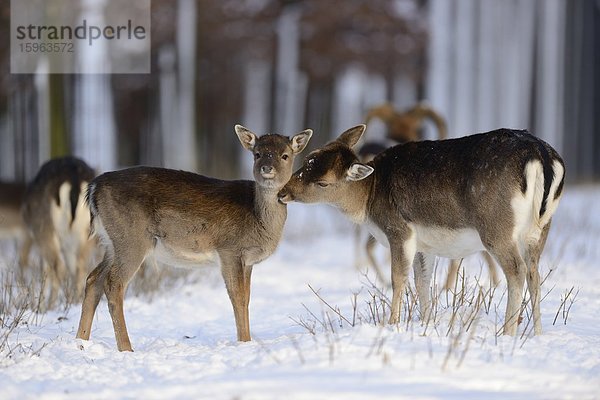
358	171
352	135
300	140
247	138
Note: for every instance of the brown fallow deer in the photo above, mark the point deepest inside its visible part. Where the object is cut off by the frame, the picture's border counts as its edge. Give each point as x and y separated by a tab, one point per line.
406	126
187	219
57	221
494	191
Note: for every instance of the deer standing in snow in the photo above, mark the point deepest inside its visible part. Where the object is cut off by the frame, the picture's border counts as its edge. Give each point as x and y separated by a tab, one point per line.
405	126
57	221
494	191
185	218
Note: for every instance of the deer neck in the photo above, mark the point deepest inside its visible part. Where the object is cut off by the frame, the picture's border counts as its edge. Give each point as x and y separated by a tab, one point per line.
356	206
271	214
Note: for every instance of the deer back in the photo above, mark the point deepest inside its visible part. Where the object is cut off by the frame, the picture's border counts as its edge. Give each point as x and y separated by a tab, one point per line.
462	182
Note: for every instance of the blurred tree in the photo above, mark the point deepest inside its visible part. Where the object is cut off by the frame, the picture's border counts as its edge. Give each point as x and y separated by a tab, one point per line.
376	34
230	34
137	96
385	38
59	135
4	54
283	65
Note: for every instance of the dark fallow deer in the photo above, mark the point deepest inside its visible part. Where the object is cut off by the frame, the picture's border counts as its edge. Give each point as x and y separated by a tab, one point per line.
494	191
57	222
406	126
184	218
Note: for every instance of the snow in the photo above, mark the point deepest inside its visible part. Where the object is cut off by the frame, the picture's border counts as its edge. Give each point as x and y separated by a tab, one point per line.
184	338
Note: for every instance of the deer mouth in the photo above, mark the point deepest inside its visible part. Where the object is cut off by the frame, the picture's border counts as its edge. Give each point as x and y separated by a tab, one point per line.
268	175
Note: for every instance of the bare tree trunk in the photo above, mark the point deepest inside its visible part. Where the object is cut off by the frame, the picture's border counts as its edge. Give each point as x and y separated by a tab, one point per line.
59	138
549	72
184	157
256	106
439	88
485	86
319	111
290	82
464	94
582	85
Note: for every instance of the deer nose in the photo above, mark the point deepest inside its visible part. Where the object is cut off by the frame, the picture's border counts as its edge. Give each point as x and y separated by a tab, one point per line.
266	169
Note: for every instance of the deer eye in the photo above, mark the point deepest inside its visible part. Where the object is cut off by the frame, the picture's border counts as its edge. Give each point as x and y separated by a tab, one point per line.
256	156
322	184
285	156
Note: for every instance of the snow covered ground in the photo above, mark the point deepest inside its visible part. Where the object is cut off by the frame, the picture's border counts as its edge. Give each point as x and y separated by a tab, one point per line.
184	338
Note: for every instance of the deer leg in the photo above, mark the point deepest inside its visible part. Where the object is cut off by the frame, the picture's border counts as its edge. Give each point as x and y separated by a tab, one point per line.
403	254
114	287
246	304
126	263
83	257
24	257
533	278
25	250
514	268
533	286
54	266
357	255
57	274
370	248
494	280
94	286
452	274
423	269
237	282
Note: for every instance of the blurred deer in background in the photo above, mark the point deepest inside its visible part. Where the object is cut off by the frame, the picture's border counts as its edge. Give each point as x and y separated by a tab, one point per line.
494	191
57	221
407	126
184	218
11	221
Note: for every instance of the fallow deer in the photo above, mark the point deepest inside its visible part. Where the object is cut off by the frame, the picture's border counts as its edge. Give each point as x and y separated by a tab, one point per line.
494	191
184	218
57	221
406	126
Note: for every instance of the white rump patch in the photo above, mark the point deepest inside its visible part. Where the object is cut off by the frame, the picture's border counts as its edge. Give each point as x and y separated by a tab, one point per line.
526	207
100	232
73	233
551	202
